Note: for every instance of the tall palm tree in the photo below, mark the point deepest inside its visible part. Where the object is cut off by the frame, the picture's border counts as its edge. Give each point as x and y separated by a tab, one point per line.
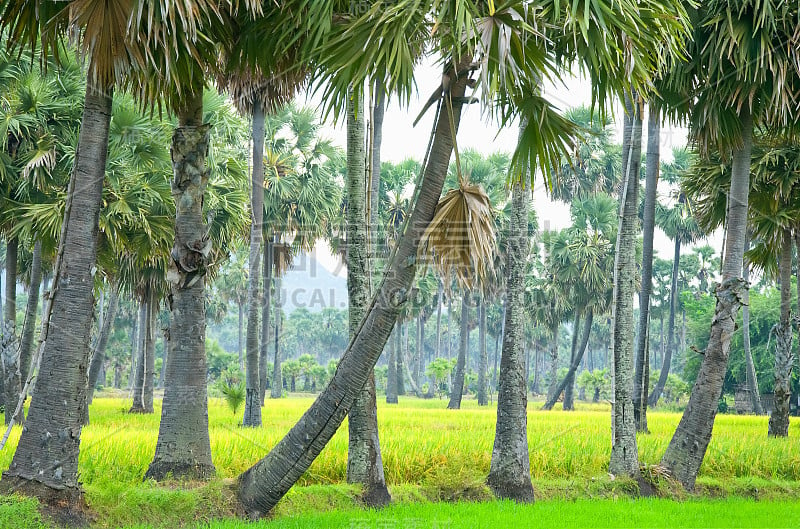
738	80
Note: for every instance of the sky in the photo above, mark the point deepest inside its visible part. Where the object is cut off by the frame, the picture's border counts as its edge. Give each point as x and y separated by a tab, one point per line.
402	140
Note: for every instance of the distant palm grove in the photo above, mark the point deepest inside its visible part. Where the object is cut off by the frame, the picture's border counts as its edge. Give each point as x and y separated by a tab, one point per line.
171	209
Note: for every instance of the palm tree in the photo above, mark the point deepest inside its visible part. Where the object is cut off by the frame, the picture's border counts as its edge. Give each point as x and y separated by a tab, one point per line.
543	141
738	80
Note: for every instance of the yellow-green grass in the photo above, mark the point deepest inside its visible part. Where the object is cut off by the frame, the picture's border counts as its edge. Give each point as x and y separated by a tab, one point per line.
422	442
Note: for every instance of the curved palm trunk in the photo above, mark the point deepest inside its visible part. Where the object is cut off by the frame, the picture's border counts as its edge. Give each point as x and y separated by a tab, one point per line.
688	445
265	318
277	373
509	473
252	401
364	463
750	373
569	387
648	228
137	406
264	484
45	464
624	453
483	363
457	391
576	360
183	448
99	354
784	357
658	389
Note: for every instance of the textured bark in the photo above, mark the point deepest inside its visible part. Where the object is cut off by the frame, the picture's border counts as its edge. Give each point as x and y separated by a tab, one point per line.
164	355
483	362
624	453
263	485
688	445
378	112
573	368
137	406
457	391
149	353
10	306
99	353
658	389
509	473
750	368
252	401
135	334
364	463
241	335
12	378
784	356
400	358
183	449
648	228
420	351
276	391
391	373
553	362
265	318
46	459
29	326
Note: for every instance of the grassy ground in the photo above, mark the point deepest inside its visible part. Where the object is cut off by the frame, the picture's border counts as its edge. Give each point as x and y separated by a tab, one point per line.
429	453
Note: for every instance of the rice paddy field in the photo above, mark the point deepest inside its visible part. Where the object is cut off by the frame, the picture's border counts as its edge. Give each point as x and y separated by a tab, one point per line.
432	456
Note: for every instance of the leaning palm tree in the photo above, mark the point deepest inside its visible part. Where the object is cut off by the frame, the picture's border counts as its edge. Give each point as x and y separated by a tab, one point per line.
737	79
464	30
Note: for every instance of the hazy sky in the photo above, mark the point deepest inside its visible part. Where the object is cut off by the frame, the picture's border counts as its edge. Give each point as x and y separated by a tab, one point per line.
401	140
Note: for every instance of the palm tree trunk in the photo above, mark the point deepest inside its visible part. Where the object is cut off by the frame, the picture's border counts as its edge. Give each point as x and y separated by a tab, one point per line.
263	485
240	306
673	306
29	326
183	448
400	358
137	405
391	373
624	453
378	112
569	388
418	360
576	360
648	228
10	379
509	473
457	391
750	373
99	354
265	318
45	464
449	327
554	362
784	357
252	401
536	368
364	463
483	400
164	357
277	374
438	353
686	450
10	307
149	352
135	333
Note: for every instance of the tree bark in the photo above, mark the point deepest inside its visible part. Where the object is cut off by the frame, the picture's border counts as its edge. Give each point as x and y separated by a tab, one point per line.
264	484
554	362
265	317
137	405
149	352
624	453
99	354
509	473
391	373
12	378
587	328
378	112
784	356
688	445
364	463
400	358
457	391
569	387
483	400
46	459
277	374
183	448
29	326
252	401
750	374
640	389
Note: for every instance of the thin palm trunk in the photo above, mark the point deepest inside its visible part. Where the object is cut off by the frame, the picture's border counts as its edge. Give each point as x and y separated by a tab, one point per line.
11	384
658	389
252	401
46	464
750	373
164	357
135	332
364	463
137	406
400	358
457	391
573	368
183	448
509	473
240	334
277	373
265	318
569	387
648	228
149	352
624	453
99	353
553	361
29	325
391	373
264	484
420	350
784	356
378	111
688	445
483	362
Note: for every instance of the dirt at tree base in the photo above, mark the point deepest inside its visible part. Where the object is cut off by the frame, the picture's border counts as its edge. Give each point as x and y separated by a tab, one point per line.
164	470
64	507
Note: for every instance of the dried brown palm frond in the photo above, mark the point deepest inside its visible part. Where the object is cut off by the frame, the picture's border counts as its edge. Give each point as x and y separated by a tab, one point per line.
284	256
248	87
460	241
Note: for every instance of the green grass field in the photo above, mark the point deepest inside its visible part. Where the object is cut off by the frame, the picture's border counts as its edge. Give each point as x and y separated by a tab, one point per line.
429	453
